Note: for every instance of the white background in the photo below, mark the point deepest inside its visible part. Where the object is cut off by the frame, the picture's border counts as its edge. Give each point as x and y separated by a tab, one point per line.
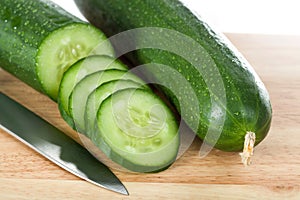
239	16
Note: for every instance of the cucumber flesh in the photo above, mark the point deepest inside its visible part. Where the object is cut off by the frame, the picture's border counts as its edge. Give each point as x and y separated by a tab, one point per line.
76	73
63	47
98	96
79	96
138	131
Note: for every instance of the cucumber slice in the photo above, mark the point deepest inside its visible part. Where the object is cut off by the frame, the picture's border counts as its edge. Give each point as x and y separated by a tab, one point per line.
97	97
138	131
79	96
76	73
63	47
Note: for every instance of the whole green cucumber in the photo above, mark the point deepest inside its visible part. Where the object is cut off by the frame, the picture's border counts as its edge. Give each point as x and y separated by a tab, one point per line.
39	41
247	112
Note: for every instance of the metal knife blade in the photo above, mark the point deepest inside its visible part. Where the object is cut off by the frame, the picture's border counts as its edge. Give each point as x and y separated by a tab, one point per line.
50	142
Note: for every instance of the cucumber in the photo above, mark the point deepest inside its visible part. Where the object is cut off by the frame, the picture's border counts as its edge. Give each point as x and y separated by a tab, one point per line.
236	111
97	97
79	96
138	131
76	73
39	41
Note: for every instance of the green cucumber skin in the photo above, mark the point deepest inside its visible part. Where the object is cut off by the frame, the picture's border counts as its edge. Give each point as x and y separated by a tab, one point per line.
248	105
23	26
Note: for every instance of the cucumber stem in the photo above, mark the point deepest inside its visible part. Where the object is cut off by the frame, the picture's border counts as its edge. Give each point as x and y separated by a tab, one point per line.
248	148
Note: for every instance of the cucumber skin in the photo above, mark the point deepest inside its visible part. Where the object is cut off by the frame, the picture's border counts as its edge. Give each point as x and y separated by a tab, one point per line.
248	105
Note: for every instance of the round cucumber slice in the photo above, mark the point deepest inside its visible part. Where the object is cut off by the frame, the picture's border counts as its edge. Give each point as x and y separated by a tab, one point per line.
137	130
77	72
79	96
98	96
63	47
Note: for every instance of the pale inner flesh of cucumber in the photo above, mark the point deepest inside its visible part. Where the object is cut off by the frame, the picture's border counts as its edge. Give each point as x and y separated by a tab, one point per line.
79	96
81	69
97	97
62	48
139	127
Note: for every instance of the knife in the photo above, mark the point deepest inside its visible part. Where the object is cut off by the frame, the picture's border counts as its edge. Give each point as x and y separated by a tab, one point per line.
59	148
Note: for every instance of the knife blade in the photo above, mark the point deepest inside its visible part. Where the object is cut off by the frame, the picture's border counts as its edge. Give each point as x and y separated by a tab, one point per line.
53	144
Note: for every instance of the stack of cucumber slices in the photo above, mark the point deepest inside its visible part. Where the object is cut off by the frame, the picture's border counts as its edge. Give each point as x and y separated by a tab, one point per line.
113	107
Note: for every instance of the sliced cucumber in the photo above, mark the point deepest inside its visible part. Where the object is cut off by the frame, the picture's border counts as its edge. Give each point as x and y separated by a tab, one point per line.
76	73
138	131
63	47
97	97
79	96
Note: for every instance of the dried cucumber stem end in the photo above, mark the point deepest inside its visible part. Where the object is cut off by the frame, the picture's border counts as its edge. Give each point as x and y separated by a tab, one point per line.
248	148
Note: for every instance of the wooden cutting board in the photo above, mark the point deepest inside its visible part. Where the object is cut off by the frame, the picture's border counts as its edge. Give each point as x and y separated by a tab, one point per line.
274	174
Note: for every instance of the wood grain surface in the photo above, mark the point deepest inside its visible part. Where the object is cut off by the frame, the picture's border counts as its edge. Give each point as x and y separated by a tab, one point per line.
274	174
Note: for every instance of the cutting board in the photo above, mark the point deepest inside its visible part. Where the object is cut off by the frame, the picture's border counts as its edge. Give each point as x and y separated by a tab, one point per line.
274	173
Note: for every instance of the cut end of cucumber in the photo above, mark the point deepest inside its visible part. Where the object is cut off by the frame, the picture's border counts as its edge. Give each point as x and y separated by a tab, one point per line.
64	47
